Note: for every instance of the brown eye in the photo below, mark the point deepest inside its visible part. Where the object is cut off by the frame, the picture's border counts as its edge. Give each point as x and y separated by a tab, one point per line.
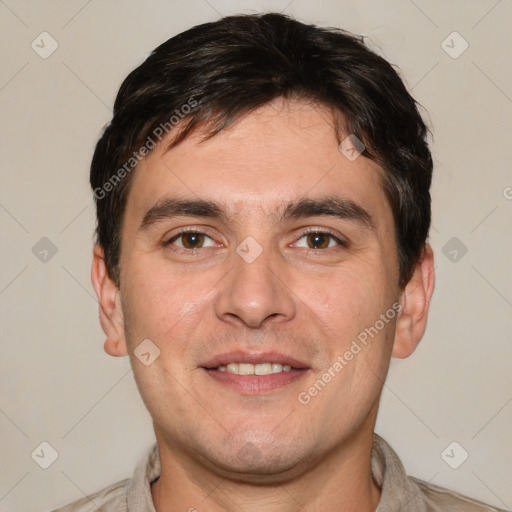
192	240
318	240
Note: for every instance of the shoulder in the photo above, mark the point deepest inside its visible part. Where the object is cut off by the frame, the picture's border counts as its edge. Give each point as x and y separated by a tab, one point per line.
402	492
437	499
135	491
110	499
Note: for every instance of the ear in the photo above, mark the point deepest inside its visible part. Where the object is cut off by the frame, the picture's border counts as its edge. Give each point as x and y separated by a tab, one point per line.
111	314
415	301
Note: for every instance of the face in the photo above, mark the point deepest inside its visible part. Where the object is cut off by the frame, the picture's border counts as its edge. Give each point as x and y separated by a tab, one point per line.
255	261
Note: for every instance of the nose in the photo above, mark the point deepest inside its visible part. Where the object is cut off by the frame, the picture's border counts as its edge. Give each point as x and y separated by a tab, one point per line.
255	292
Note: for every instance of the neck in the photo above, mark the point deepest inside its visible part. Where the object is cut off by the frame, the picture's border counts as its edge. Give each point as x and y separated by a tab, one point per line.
340	482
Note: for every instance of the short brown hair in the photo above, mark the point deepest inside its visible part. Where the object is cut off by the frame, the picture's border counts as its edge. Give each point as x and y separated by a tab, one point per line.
213	73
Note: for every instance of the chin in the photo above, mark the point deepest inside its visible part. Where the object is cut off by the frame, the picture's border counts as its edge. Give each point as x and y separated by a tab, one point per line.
264	465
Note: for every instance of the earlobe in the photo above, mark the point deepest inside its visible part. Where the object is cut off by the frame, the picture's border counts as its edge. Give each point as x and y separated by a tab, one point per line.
415	301
110	310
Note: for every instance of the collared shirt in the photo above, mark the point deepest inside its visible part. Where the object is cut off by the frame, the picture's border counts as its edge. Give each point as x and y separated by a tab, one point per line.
399	492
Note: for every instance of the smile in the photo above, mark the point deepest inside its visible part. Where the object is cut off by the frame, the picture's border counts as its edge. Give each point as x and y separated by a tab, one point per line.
254	369
251	373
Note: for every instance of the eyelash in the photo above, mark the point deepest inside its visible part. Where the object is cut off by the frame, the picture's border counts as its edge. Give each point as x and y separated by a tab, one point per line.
324	231
184	231
341	243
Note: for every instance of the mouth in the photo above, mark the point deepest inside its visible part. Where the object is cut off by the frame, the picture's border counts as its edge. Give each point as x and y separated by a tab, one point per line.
253	369
251	373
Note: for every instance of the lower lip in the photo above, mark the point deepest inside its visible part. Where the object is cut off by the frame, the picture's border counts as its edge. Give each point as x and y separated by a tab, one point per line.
256	384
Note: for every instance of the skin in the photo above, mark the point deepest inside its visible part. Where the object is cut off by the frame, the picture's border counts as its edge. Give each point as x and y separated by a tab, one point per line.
222	449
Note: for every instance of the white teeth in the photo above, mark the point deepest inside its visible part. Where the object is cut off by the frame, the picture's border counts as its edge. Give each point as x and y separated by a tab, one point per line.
254	369
245	369
277	368
263	369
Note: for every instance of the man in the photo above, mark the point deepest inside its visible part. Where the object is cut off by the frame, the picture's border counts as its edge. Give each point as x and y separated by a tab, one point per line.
263	209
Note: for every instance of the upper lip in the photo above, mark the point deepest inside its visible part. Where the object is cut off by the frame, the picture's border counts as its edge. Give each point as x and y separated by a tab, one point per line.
243	356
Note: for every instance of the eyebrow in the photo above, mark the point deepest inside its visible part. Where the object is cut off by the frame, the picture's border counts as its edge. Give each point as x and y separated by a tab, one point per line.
169	208
331	206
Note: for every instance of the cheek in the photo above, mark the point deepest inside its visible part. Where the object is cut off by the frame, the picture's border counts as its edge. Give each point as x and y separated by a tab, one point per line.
164	307
159	298
347	303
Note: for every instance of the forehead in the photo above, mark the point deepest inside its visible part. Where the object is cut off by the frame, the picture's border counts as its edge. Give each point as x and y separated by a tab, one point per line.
282	151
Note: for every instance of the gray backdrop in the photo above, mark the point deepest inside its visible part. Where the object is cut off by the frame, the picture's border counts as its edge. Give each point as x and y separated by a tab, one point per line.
62	63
